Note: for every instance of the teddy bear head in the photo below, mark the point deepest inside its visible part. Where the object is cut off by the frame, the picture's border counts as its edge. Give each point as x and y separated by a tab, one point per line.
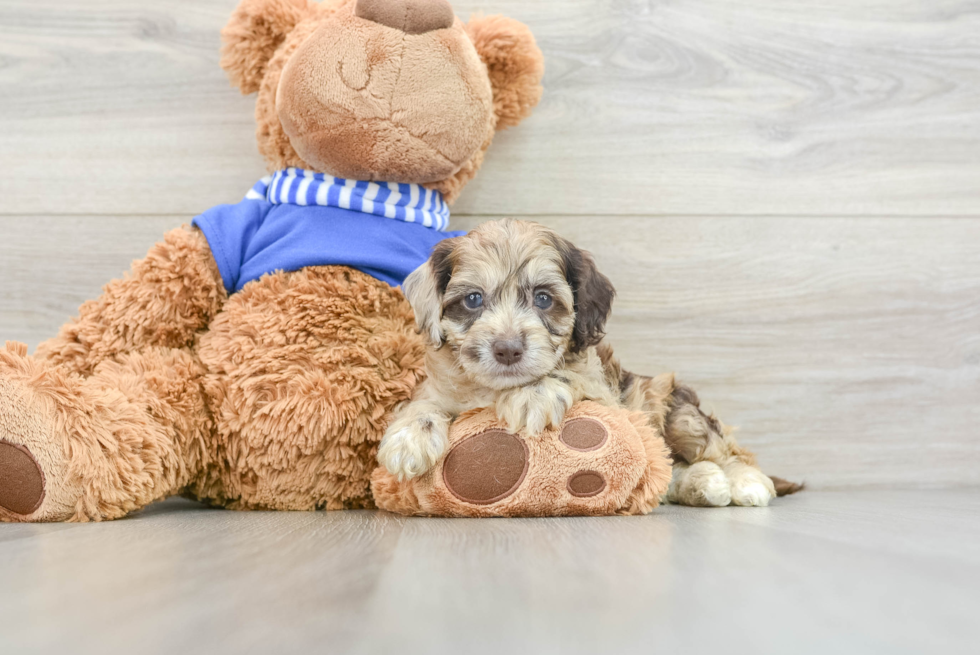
381	90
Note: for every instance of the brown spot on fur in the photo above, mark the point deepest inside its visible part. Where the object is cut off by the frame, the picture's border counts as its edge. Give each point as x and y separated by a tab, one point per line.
461	315
377	54
441	262
554	315
626	383
683	394
785	487
593	294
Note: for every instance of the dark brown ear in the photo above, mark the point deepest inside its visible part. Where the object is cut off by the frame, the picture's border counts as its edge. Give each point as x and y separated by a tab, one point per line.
593	292
515	64
254	32
424	289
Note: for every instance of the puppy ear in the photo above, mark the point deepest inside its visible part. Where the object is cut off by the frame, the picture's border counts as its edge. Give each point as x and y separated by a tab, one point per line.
424	289
254	32
593	293
515	64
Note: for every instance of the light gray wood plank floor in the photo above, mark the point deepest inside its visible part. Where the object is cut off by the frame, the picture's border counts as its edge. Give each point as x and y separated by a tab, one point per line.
821	572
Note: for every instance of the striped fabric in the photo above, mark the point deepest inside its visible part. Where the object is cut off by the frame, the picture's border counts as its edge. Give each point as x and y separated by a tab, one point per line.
411	203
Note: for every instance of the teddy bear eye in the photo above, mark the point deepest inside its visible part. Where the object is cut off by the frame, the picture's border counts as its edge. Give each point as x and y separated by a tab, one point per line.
473	300
542	300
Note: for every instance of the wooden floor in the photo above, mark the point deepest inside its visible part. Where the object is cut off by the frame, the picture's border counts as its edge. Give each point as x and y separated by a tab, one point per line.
822	572
786	194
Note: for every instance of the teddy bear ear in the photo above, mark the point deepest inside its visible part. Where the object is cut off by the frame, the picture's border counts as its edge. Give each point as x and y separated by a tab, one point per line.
253	33
515	64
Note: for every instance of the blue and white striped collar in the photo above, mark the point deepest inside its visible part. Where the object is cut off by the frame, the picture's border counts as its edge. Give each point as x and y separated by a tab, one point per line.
411	203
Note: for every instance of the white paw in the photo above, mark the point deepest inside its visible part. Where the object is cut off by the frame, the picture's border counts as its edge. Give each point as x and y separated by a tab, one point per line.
412	450
751	495
702	484
534	408
751	488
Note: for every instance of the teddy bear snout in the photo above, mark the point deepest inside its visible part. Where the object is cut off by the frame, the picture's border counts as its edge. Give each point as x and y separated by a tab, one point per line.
409	16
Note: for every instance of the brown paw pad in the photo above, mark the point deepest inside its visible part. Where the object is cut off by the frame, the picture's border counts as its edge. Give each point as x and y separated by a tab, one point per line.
486	467
584	434
21	480
585	483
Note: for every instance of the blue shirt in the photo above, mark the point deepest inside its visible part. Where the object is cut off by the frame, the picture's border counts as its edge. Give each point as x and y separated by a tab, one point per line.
296	219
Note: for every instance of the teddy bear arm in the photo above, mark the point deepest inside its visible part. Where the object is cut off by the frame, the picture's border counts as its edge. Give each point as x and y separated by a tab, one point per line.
167	298
601	460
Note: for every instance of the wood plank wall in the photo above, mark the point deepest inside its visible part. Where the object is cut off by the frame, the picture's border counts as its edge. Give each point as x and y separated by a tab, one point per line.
785	192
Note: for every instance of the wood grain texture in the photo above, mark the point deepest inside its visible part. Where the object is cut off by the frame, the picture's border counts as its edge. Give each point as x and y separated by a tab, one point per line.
51	265
651	107
864	571
848	351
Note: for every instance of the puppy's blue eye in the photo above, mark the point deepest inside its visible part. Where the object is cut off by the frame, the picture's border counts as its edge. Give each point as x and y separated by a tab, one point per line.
542	300
473	301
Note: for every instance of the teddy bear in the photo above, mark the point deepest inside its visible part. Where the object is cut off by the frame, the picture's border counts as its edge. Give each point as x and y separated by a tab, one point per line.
253	358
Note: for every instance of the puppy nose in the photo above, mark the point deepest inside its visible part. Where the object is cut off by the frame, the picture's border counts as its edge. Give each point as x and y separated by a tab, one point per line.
409	16
508	352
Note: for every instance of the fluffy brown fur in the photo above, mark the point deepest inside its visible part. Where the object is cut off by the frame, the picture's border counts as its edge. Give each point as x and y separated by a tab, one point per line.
280	404
277	396
304	370
133	432
382	113
514	316
167	298
255	31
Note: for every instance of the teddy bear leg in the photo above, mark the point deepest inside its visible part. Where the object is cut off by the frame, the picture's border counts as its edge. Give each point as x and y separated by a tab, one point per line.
305	369
167	298
96	448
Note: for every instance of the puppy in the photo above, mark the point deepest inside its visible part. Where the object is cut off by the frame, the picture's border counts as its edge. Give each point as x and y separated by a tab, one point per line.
514	316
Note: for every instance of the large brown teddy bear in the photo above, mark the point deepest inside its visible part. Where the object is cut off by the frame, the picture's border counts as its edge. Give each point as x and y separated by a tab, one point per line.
253	360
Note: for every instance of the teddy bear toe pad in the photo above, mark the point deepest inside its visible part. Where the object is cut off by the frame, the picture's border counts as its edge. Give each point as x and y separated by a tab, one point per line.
486	467
21	480
584	484
584	434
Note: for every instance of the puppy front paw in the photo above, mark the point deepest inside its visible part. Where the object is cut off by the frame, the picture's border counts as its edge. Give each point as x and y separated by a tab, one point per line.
410	449
534	408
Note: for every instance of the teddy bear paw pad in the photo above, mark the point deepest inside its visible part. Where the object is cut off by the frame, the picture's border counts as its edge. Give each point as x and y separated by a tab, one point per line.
486	467
584	434
21	480
586	483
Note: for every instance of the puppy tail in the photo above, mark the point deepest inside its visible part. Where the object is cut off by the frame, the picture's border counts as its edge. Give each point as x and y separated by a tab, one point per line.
785	487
